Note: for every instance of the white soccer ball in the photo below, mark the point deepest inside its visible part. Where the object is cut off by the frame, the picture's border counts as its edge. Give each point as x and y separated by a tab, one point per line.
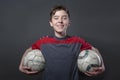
35	60
88	59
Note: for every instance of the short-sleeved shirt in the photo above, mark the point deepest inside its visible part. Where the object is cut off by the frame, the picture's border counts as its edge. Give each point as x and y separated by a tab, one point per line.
61	56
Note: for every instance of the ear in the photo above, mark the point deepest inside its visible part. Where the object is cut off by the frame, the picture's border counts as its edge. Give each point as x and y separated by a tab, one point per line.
69	22
50	23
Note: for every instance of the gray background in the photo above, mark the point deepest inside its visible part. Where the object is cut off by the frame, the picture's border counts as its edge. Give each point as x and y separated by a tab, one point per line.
22	22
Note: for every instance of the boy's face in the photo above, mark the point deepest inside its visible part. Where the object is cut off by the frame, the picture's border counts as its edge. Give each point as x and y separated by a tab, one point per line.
60	21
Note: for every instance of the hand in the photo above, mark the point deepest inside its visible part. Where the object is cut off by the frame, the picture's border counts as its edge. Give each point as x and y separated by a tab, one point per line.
27	70
96	71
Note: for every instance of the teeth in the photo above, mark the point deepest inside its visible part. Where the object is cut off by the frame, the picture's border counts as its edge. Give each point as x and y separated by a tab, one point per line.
60	25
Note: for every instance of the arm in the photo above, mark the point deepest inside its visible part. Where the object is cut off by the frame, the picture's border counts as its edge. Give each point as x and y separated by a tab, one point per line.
23	68
102	64
97	70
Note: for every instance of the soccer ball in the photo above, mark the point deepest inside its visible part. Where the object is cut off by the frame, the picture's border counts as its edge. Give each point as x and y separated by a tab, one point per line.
88	59
35	60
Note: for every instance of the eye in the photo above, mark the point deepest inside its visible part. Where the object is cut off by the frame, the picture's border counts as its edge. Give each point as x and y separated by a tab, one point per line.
55	18
65	18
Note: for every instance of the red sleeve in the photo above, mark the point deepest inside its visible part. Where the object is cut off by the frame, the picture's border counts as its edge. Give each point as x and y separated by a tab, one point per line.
85	45
36	45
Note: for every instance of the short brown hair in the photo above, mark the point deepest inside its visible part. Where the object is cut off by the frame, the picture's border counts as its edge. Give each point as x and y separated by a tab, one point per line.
58	8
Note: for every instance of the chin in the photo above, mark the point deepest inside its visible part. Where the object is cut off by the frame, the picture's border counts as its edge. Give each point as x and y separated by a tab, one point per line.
60	31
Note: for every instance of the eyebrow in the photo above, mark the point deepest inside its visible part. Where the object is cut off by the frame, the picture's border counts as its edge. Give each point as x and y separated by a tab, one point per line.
58	16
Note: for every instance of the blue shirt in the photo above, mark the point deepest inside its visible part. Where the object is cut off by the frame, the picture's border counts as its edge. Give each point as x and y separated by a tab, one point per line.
61	56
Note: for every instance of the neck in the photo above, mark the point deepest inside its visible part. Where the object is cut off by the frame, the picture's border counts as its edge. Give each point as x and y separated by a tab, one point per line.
60	35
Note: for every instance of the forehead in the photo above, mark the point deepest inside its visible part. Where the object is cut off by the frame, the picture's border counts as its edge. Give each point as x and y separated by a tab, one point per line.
60	13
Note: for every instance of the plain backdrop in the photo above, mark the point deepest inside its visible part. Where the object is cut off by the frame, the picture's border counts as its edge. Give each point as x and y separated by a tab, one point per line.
22	22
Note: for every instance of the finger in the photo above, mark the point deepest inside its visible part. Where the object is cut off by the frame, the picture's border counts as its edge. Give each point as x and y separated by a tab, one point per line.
91	73
31	72
88	74
97	69
25	67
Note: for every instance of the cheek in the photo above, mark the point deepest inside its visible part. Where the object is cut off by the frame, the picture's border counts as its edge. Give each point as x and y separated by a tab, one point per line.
67	23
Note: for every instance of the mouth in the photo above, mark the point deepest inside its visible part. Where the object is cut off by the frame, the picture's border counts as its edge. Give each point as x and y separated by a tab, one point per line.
60	26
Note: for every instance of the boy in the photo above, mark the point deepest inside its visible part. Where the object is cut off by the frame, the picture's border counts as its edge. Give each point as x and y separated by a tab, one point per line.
61	51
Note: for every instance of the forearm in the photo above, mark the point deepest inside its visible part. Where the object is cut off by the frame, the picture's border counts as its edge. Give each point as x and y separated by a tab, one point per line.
97	51
28	50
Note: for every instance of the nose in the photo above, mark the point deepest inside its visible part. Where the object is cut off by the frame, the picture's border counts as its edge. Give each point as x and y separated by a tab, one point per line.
60	20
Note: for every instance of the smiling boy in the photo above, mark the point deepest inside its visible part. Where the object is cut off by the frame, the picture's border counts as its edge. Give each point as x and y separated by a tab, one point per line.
61	50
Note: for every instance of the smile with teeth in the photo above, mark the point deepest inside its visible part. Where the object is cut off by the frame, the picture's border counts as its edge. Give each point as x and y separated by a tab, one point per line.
60	26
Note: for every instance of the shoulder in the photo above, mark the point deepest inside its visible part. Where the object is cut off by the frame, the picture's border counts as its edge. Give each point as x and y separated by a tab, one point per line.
45	39
42	40
78	38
